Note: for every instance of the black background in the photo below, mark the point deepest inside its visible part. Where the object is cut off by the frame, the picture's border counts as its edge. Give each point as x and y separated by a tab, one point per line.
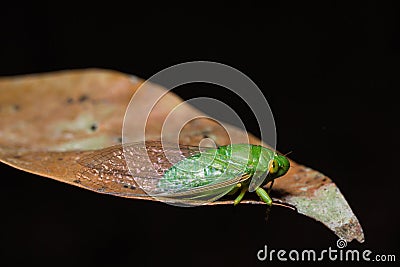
329	72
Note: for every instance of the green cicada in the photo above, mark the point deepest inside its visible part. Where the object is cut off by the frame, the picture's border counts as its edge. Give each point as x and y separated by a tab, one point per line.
184	175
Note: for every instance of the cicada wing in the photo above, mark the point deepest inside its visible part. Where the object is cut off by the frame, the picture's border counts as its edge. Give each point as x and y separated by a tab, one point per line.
195	199
257	180
218	182
105	171
203	194
135	169
131	169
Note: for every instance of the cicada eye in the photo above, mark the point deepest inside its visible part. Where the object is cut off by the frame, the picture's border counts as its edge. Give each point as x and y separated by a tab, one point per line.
273	166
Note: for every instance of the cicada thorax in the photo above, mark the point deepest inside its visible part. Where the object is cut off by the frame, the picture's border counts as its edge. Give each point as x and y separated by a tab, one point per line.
262	169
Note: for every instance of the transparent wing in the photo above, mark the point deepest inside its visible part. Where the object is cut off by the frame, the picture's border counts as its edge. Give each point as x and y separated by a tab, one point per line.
118	169
257	180
201	195
192	192
105	170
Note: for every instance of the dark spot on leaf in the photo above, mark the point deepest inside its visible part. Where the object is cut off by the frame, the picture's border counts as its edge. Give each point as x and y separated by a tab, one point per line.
132	187
17	156
324	180
83	98
93	127
16	107
70	100
101	190
119	139
60	158
126	186
77	181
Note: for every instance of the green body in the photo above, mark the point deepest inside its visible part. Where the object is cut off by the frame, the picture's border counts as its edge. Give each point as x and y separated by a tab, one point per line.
224	163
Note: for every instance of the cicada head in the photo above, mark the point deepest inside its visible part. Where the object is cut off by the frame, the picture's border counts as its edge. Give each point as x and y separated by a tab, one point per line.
278	166
270	166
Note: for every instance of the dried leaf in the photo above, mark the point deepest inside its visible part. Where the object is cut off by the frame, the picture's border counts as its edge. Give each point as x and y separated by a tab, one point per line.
50	121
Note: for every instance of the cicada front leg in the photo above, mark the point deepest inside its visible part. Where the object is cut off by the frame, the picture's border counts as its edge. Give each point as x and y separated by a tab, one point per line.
264	196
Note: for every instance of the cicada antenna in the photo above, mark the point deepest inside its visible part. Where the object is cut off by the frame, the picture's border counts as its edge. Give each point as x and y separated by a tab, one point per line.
290	152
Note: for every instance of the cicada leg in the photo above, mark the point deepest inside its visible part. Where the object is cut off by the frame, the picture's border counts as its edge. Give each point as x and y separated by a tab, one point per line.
264	196
240	196
270	186
235	189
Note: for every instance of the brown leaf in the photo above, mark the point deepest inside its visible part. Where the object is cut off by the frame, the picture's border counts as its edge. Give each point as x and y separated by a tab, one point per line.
50	121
